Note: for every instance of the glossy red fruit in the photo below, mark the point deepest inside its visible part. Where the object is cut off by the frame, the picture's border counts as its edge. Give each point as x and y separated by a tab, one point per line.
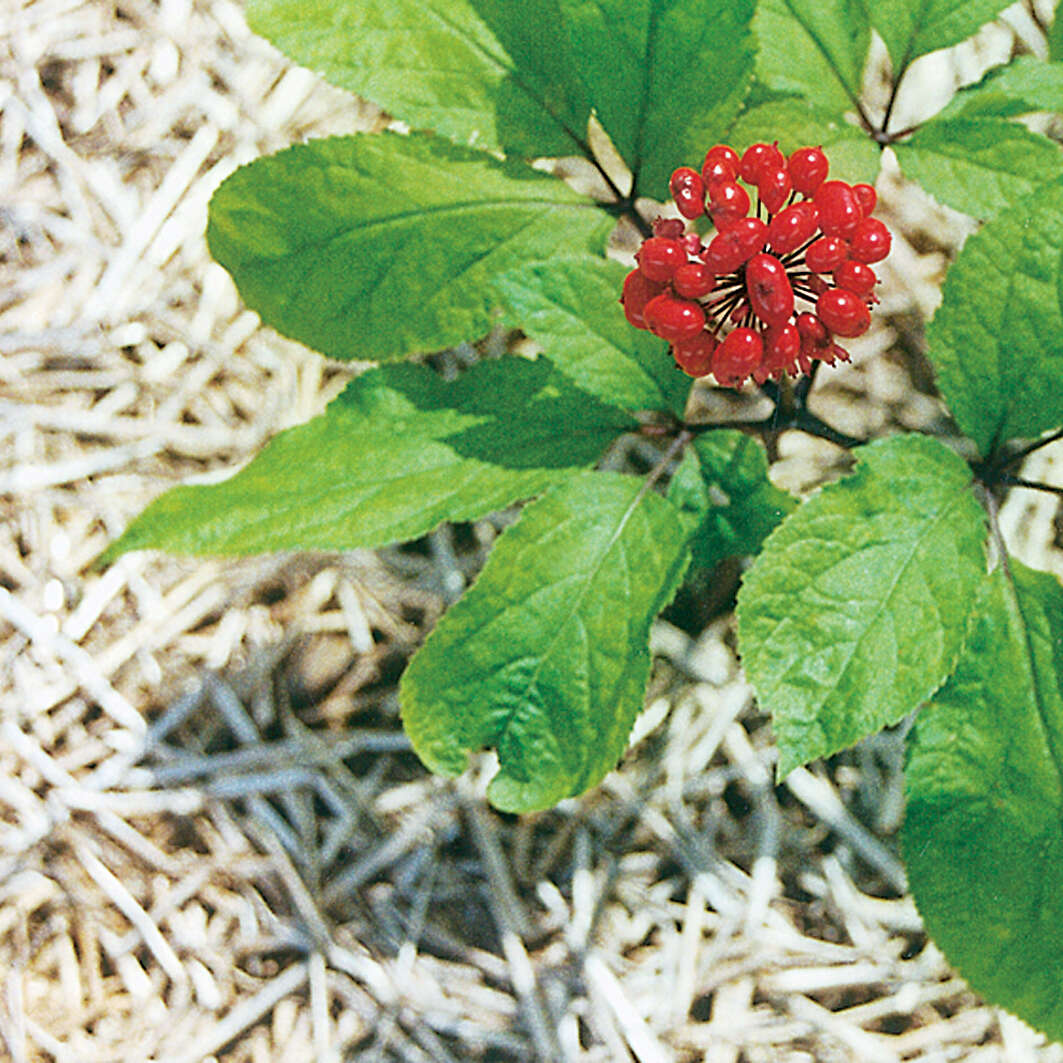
638	291
870	242
737	357
659	257
674	319
774	187
728	202
688	191
672	228
723	154
867	197
782	345
811	329
826	254
844	313
737	244
839	209
808	169
758	157
694	356
768	287
792	227
693	280
855	277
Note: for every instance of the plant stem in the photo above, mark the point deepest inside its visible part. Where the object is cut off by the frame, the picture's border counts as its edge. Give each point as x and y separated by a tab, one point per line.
1034	485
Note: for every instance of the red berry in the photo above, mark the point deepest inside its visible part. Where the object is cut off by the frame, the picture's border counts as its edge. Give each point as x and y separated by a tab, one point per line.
729	249
811	330
725	155
674	319
808	169
842	312
638	291
839	209
688	191
770	294
774	187
659	257
737	357
870	242
792	227
826	254
728	201
867	197
692	243
672	228
855	277
756	158
693	280
694	356
782	345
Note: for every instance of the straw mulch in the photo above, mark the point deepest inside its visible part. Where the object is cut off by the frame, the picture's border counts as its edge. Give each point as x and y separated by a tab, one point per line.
214	840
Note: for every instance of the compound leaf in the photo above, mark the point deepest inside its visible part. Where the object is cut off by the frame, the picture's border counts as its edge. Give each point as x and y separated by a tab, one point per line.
980	166
912	28
397	453
1025	84
378	246
983	834
665	77
813	48
545	658
996	342
571	307
722	483
853	612
797	123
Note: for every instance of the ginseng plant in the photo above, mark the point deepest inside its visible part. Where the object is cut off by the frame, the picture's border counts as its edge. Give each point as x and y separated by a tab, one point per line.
749	156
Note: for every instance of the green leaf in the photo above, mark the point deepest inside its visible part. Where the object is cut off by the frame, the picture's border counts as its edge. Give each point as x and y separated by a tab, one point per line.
545	658
377	246
796	123
397	453
912	28
996	342
440	65
980	166
814	48
722	483
1055	37
1025	84
668	76
983	833
572	308
853	613
665	77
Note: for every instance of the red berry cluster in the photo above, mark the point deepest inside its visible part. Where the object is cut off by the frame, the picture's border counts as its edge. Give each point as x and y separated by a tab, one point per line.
809	239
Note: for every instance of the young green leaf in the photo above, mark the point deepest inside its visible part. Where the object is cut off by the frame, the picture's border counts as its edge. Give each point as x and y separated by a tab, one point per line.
912	28
996	342
441	65
853	612
571	306
984	781
668	76
980	166
722	483
1025	84
378	246
814	48
797	123
397	453
545	658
